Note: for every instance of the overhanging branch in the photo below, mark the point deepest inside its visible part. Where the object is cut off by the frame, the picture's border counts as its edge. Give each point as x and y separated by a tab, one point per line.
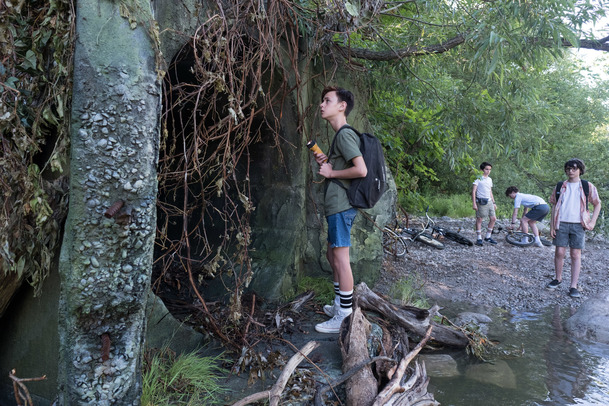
393	54
404	52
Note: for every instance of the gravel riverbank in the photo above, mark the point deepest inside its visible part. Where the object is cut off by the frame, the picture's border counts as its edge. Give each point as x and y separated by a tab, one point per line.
502	275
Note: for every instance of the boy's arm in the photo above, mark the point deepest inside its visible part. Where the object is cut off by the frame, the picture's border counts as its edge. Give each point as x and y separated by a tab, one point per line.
474	197
515	216
595	213
493	198
358	170
553	202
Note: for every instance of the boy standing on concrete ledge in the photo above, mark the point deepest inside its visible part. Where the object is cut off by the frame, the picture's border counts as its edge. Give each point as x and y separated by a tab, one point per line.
345	163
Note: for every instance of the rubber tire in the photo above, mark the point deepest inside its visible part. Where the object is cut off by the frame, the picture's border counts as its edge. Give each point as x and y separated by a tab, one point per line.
456	237
393	244
546	242
515	239
427	239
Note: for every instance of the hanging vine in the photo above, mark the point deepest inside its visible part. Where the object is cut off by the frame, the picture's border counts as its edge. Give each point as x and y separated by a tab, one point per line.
36	47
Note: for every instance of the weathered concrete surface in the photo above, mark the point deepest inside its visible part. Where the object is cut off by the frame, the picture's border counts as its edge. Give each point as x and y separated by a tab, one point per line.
30	341
106	257
591	321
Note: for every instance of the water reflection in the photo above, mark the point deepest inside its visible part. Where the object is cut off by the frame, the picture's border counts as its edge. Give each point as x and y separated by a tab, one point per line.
554	370
567	377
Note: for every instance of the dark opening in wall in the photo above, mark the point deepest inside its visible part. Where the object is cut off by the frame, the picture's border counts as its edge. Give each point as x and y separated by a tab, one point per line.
207	174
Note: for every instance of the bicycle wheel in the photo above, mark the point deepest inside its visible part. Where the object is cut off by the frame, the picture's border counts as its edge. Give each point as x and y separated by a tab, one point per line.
456	237
427	239
520	239
393	244
546	242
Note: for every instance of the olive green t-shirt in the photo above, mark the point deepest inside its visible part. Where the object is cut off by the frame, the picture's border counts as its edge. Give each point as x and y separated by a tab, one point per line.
346	148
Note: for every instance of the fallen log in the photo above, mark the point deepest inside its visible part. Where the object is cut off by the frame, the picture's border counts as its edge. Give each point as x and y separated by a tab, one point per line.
413	319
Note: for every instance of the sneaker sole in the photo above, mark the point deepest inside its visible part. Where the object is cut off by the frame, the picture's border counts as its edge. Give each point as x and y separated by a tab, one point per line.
326	330
552	287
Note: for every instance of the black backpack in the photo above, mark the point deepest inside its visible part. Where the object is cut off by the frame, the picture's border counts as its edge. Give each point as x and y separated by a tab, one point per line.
365	192
585	186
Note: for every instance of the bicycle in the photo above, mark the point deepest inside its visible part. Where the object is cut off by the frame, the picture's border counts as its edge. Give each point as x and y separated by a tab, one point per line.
393	243
448	234
522	239
395	240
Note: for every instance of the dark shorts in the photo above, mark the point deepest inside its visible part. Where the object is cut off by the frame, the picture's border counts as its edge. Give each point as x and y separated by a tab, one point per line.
570	235
538	212
339	228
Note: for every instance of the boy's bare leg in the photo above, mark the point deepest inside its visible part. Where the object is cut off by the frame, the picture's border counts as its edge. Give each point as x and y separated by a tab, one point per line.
342	268
491	222
534	229
479	227
559	260
576	263
524	225
330	257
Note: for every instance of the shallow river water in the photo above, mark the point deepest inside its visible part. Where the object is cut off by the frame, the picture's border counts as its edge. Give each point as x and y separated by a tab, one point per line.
550	368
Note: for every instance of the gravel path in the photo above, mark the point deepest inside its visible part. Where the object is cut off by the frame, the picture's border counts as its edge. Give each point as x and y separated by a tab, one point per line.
504	275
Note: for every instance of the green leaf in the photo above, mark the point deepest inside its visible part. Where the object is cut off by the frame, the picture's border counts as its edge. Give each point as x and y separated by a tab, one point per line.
352	9
30	61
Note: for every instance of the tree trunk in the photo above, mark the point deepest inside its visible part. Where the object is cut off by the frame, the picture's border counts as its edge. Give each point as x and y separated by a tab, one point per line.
106	256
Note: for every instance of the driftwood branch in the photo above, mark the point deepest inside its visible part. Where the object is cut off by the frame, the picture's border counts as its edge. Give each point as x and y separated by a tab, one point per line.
341	379
21	392
395	384
413	319
274	394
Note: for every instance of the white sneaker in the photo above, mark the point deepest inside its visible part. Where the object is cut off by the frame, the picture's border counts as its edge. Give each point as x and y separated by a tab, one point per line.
332	325
538	244
330	310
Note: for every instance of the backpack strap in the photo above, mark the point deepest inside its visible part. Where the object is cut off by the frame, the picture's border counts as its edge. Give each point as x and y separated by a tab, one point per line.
334	180
557	189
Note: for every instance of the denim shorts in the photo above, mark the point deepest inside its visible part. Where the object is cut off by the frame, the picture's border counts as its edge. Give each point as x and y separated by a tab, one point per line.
538	212
570	235
339	228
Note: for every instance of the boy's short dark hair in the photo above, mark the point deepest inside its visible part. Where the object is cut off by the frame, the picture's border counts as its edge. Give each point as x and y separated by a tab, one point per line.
510	190
484	165
342	95
576	163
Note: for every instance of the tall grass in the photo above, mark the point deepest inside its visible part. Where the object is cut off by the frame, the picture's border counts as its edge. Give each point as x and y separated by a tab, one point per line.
186	379
409	291
322	286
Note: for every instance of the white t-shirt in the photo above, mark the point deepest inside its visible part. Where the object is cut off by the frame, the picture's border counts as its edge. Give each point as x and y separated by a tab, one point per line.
528	201
571	204
484	187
